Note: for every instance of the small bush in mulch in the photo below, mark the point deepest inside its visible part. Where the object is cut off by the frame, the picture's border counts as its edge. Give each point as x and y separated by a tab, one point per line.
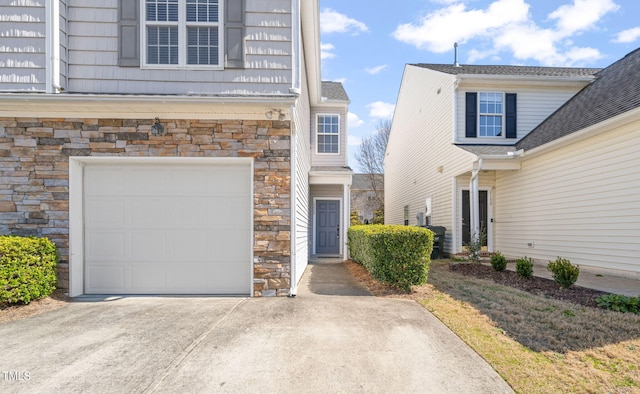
547	287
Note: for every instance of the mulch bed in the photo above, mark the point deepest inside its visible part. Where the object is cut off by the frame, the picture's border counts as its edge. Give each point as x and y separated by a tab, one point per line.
541	286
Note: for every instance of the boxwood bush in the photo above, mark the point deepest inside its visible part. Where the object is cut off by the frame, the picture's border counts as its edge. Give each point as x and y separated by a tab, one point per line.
27	269
397	255
498	261
564	273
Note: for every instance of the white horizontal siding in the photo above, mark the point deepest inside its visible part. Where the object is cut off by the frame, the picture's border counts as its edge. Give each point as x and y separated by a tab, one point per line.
328	159
93	56
302	200
579	202
533	106
421	161
22	46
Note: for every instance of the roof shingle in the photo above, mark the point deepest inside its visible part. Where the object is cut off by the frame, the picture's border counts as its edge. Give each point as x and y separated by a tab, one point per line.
334	91
616	90
560	72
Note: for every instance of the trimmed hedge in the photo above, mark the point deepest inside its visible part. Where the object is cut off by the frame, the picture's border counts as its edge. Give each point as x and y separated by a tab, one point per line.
27	269
398	255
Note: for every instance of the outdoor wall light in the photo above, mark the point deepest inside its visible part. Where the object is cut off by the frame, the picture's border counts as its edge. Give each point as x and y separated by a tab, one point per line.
157	128
269	114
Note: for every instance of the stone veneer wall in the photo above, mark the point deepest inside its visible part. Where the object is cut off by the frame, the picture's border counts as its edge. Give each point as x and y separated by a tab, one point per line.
34	176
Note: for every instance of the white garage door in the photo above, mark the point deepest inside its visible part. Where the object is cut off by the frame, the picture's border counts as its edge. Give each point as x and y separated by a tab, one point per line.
168	228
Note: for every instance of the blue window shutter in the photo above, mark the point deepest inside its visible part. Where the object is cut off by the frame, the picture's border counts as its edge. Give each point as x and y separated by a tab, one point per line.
234	33
471	118
511	116
128	33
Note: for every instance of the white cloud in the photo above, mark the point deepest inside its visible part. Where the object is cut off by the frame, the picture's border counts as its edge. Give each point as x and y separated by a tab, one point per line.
326	51
375	70
628	36
335	22
507	26
353	120
438	30
381	110
581	15
354	140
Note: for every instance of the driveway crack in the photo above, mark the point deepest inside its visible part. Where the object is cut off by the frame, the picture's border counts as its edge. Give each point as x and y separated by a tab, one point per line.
179	359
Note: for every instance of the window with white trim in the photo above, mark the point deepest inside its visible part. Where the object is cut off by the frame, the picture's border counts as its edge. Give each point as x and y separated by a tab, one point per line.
491	114
183	33
328	135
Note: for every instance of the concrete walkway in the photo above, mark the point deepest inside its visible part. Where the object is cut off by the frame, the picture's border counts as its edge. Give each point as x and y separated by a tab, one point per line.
332	337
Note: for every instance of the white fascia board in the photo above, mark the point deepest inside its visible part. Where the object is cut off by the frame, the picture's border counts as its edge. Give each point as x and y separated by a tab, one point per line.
328	178
136	107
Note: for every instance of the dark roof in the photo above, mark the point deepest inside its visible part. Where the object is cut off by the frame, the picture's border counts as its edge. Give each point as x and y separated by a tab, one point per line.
334	91
346	170
616	90
511	70
363	181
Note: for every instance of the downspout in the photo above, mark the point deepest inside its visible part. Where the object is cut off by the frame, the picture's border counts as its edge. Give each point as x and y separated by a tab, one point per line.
52	40
296	67
474	201
293	286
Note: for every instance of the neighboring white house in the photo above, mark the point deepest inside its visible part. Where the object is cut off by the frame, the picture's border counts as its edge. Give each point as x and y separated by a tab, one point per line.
172	146
544	159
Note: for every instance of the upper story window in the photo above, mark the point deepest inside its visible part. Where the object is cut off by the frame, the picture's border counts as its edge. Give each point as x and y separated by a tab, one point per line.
328	135
490	114
182	33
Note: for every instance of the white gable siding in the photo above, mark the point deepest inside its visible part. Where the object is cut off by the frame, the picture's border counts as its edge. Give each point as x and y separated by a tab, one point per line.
328	159
579	202
93	56
421	161
533	106
23	46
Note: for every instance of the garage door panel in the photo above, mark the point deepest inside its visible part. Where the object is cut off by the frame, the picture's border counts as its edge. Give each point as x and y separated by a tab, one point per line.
168	229
107	213
190	245
106	278
148	245
228	213
193	213
228	245
105	245
146	278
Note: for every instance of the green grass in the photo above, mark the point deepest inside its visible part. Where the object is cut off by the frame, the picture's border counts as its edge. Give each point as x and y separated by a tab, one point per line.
538	345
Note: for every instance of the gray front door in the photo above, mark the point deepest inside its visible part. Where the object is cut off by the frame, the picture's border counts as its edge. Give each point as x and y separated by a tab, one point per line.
327	227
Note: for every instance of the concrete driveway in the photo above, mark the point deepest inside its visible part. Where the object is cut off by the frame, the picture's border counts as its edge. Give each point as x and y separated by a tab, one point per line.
333	337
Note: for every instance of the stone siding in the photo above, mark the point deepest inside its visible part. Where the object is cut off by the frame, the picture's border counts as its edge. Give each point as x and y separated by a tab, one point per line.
34	176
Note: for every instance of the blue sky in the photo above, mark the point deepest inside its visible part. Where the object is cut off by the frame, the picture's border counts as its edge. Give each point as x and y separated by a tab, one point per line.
366	44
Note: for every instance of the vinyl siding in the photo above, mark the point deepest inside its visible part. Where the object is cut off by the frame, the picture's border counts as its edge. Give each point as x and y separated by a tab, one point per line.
93	56
303	165
328	159
420	143
533	106
64	59
579	202
23	46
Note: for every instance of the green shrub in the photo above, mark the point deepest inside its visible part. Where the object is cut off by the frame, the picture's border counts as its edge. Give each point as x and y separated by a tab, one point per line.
27	269
619	303
474	246
498	261
524	267
398	255
564	273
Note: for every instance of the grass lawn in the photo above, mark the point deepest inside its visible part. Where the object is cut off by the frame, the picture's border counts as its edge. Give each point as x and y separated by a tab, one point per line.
538	345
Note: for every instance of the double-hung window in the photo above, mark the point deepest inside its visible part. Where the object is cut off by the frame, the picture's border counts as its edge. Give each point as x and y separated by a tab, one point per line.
491	114
328	134
183	33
